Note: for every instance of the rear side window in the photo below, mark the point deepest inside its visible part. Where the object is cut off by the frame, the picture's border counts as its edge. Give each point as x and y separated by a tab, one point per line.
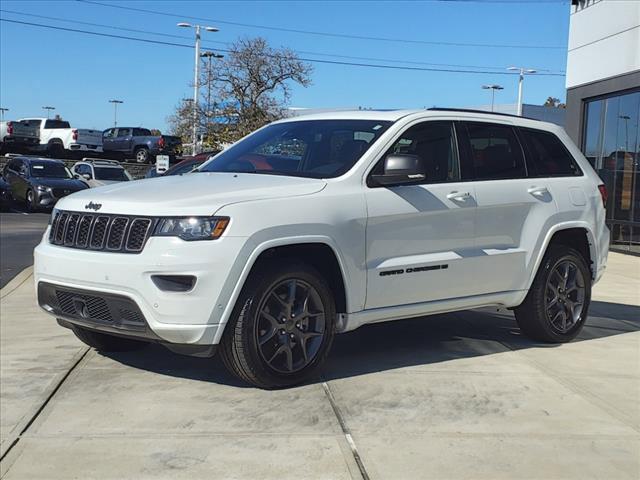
56	124
547	155
495	151
141	132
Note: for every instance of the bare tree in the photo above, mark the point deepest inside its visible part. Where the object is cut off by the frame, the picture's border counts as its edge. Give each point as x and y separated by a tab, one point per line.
553	102
251	86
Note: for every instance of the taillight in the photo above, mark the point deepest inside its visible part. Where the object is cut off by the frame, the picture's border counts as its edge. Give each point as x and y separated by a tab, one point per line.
74	134
161	142
603	194
9	128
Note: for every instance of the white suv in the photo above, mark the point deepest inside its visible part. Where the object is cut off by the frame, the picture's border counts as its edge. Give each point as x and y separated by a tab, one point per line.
318	225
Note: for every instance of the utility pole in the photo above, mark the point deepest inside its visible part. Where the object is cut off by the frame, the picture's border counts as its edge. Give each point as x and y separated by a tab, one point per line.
493	89
2	110
115	111
522	72
196	79
48	109
209	109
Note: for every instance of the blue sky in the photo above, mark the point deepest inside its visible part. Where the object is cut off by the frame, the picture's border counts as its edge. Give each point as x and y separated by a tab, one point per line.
79	73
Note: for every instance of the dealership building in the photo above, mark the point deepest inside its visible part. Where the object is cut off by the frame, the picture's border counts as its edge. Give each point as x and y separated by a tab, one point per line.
603	105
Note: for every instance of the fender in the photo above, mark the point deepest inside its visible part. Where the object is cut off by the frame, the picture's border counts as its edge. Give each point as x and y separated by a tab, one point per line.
253	257
593	247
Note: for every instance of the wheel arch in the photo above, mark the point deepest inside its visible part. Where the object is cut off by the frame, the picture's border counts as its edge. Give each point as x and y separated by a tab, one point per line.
577	235
294	247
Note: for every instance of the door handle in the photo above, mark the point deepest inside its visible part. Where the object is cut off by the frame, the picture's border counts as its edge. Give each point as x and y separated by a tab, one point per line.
459	196
538	191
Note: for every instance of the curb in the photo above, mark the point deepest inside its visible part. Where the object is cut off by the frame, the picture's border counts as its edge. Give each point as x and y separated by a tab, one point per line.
16	281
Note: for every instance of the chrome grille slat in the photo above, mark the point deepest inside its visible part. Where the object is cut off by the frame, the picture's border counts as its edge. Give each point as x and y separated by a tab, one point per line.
113	233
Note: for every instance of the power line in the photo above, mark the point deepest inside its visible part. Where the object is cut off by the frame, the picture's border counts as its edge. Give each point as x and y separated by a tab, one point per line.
310	60
321	54
318	33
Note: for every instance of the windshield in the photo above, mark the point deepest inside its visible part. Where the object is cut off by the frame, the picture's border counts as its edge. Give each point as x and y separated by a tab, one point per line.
49	170
306	148
107	173
186	168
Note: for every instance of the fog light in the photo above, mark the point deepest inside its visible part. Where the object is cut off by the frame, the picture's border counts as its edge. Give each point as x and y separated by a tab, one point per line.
174	283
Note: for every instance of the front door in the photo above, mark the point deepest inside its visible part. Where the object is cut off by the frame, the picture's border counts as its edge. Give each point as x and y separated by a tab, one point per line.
420	237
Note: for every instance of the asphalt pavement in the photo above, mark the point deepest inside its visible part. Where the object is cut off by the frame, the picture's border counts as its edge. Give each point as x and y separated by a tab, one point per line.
20	232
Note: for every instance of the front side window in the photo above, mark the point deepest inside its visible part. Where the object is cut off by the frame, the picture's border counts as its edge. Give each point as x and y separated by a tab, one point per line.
495	151
49	170
108	133
83	169
435	143
305	148
547	154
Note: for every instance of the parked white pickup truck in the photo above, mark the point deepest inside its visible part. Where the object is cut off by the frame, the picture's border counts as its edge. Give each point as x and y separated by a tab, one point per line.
58	139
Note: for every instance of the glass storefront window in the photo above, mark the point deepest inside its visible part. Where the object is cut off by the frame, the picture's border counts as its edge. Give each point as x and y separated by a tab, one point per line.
612	145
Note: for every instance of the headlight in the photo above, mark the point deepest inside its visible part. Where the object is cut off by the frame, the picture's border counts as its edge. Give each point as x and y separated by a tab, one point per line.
192	228
42	188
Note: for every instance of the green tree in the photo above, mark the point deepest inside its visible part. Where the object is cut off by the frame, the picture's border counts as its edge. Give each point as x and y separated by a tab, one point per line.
554	103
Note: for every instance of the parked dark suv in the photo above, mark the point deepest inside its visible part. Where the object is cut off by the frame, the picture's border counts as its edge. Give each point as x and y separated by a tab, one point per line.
40	182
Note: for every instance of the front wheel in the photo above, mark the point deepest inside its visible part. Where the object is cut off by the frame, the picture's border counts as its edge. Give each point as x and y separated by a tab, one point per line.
557	304
106	343
142	155
282	328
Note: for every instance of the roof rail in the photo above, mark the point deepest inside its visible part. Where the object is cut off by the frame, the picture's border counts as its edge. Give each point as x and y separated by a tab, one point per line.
471	110
100	160
13	155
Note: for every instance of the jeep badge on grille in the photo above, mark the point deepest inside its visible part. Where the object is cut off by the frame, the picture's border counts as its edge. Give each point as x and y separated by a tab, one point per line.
93	206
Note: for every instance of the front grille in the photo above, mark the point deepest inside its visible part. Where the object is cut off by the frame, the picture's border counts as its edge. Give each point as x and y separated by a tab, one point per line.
91	307
114	233
61	192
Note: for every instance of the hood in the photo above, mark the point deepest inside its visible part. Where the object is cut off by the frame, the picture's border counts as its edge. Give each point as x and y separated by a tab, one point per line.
101	183
67	183
191	194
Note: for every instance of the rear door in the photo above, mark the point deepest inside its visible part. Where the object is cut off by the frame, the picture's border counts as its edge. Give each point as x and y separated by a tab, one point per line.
419	242
513	209
123	140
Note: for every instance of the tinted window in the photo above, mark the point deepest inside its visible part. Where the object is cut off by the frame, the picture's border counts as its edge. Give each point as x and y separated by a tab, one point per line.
495	151
108	173
141	132
124	132
83	168
547	154
434	143
56	124
305	148
49	170
14	165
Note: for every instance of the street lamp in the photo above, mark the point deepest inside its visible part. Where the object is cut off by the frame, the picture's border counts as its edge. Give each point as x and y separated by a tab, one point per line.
196	74
493	89
2	110
115	111
48	109
522	72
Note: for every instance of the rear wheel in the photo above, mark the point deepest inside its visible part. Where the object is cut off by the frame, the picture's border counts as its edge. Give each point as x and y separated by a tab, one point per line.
142	155
106	343
282	328
557	304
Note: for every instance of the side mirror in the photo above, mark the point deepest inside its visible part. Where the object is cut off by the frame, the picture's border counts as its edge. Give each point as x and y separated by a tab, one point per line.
76	176
401	169
86	176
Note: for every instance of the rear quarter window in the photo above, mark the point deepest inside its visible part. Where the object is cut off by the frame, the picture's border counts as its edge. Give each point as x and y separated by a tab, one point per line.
547	156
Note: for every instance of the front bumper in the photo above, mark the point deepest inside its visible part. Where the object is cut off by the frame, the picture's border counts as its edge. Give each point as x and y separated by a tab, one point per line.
191	317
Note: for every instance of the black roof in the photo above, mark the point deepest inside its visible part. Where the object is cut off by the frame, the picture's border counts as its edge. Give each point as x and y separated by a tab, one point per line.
470	110
40	159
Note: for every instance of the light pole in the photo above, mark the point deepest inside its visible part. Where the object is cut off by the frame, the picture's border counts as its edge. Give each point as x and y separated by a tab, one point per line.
522	72
115	111
493	89
48	109
2	110
196	79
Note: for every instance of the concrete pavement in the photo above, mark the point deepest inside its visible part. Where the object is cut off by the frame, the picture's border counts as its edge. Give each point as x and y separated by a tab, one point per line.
450	396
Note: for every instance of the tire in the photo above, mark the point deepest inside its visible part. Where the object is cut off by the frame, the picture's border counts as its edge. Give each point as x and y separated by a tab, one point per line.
107	343
557	304
251	337
141	155
29	201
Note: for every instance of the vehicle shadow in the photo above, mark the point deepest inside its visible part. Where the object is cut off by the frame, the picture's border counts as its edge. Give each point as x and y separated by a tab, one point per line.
405	343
